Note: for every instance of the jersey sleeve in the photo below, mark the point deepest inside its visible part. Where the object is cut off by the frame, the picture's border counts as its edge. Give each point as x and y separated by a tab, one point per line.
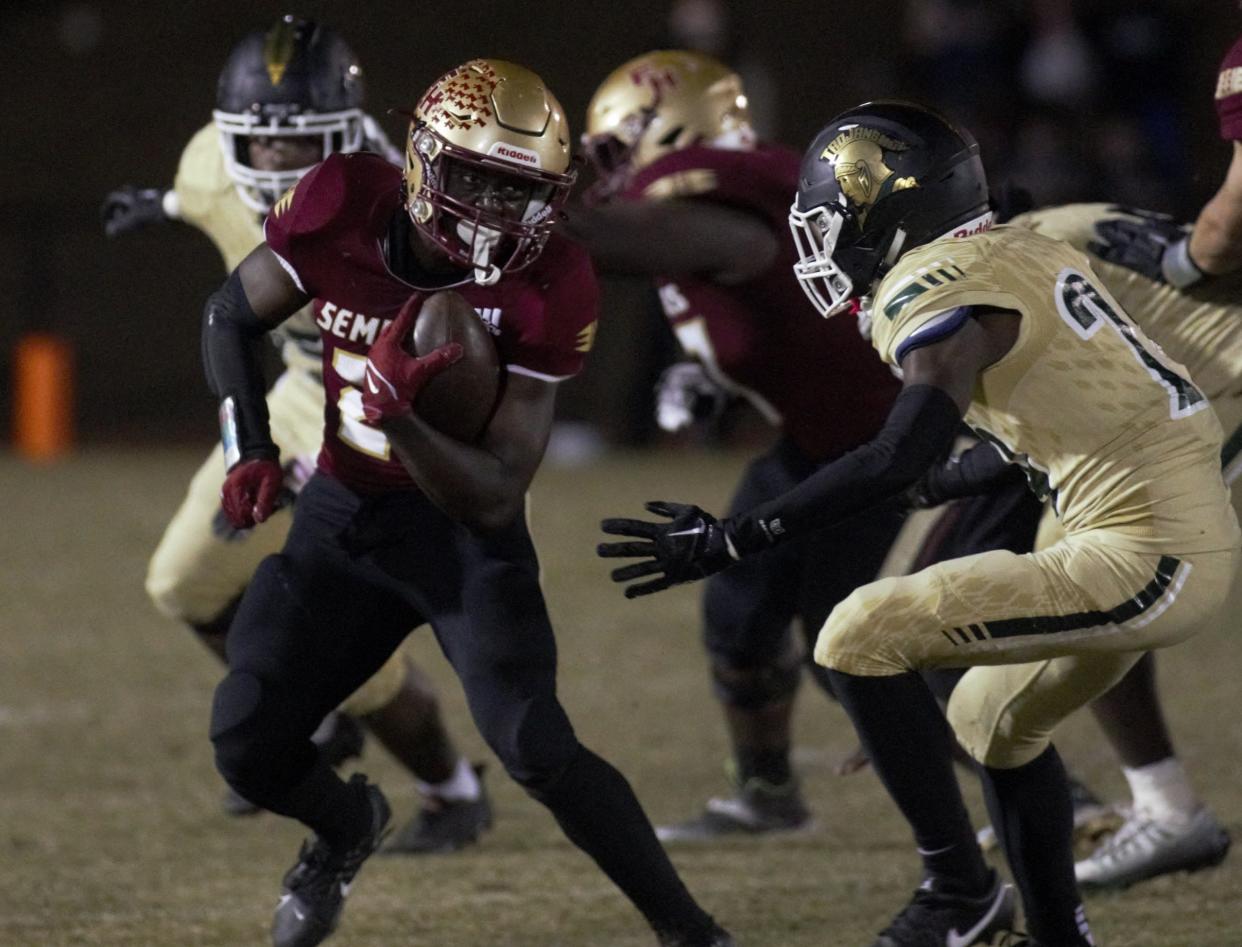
295	228
1229	94
554	347
929	298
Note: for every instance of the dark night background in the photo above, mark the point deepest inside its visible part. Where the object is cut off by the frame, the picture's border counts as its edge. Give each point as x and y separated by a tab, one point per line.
1079	100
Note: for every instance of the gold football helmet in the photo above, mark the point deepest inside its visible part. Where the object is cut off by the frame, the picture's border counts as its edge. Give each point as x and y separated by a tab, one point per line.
658	103
495	126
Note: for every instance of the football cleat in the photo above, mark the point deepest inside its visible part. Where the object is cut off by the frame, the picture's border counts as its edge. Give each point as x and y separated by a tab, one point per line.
758	808
715	936
314	890
942	919
1145	847
444	825
1093	819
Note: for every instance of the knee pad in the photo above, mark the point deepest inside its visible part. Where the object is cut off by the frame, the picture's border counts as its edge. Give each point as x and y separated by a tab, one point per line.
757	685
257	748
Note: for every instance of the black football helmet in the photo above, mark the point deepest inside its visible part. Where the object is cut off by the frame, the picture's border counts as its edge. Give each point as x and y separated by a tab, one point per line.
297	78
881	179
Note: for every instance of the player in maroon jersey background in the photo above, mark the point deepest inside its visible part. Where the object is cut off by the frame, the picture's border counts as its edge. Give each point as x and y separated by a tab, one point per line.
687	196
401	525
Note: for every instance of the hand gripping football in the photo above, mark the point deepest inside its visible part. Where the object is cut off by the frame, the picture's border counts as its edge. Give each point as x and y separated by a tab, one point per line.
460	400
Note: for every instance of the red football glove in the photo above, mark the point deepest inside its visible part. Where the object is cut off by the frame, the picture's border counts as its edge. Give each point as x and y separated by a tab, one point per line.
249	494
394	377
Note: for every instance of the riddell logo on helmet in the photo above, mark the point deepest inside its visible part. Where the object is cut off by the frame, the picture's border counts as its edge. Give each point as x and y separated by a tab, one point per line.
514	153
980	224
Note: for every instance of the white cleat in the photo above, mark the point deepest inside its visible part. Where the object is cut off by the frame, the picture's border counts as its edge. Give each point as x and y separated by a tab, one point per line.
1145	847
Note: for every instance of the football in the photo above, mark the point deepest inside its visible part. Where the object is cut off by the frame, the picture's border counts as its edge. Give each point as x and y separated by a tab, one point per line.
460	400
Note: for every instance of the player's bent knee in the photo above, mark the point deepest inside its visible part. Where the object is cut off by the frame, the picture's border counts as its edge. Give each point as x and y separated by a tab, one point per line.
855	641
993	735
167	592
757	686
249	735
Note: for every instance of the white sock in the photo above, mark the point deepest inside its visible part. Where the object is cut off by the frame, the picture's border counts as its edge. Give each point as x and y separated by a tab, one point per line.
462	786
1162	789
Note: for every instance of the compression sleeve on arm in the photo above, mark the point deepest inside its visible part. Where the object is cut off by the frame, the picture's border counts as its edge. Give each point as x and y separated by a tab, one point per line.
921	427
232	360
976	471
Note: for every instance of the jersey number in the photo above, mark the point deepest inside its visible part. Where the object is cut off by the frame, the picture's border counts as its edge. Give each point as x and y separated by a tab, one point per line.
1085	309
361	437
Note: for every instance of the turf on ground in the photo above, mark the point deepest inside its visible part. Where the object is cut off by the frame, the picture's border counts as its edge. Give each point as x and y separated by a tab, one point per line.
110	831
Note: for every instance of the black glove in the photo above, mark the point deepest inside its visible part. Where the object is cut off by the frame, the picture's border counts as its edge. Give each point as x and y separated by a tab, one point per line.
692	546
1155	246
686	395
131	208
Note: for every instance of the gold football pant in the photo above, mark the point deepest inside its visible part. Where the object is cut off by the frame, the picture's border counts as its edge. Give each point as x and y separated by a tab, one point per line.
197	571
1043	633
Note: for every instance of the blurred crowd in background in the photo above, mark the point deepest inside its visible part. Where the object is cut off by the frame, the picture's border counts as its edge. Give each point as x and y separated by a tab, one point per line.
1071	99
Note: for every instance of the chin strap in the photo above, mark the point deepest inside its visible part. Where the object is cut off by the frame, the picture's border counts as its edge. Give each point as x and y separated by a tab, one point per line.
482	242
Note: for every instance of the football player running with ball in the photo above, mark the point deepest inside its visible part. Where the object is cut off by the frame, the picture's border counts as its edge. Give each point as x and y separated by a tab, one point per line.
687	196
288	96
401	525
1010	330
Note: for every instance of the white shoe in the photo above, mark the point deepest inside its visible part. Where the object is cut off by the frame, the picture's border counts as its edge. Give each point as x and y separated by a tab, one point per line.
1145	847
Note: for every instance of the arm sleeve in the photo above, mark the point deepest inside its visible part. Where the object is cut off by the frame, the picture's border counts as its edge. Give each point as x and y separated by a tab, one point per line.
232	360
975	471
920	428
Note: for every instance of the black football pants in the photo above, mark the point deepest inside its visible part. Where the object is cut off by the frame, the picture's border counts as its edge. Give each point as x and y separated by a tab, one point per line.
749	608
356	574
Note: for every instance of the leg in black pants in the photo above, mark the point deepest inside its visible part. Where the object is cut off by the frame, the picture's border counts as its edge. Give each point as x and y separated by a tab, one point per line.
495	632
356	573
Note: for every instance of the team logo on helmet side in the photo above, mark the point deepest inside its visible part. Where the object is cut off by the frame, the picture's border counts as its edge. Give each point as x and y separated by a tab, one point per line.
857	159
462	99
655	77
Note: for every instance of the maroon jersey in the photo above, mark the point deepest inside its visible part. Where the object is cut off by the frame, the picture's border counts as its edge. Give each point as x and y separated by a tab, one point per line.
1229	94
817	378
330	234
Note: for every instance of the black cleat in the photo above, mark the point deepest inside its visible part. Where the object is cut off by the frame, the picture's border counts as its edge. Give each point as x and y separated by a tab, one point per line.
757	808
314	889
714	936
943	919
444	825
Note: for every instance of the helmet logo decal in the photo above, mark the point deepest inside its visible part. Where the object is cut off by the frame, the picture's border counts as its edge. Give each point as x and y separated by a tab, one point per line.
857	159
462	99
278	48
654	77
515	153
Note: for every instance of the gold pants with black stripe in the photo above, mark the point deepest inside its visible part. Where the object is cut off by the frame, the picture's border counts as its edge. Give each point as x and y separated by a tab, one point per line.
1043	633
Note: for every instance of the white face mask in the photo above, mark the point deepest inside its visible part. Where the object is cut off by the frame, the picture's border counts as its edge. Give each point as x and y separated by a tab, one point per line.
815	234
342	131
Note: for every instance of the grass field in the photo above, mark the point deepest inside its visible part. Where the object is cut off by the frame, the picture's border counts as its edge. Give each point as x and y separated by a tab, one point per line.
111	833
